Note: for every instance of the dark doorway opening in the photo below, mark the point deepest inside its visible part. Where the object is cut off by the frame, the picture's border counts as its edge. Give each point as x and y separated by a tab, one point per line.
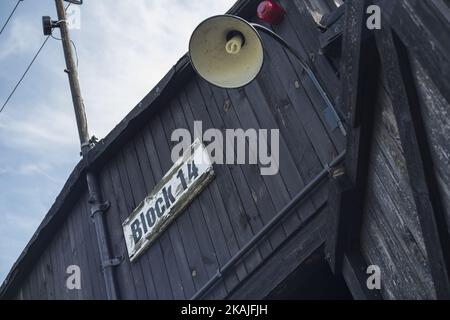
312	280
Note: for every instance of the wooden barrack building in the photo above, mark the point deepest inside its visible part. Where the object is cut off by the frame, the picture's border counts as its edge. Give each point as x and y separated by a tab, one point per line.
379	195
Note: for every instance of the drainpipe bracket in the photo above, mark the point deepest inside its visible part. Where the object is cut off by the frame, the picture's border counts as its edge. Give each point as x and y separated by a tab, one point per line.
112	262
100	208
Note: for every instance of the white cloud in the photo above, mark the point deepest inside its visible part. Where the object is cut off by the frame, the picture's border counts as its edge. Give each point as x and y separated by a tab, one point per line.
51	131
16	42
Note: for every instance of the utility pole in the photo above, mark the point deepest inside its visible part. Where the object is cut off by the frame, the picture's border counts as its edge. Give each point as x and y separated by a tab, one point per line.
97	206
72	71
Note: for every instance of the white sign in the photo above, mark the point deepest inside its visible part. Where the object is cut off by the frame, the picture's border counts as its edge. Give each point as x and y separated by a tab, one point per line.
187	178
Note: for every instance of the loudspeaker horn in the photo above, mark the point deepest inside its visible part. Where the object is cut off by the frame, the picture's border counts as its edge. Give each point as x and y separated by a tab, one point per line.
226	51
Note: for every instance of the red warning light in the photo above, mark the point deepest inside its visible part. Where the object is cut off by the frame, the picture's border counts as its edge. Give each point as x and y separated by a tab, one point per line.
270	12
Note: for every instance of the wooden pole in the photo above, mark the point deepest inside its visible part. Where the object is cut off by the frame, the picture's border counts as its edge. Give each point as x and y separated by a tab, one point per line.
97	206
72	71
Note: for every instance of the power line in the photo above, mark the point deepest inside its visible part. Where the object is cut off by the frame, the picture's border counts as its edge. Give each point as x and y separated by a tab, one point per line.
26	70
9	18
24	74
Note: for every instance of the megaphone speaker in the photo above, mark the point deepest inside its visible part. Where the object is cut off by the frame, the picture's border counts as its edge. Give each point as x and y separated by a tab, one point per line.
226	51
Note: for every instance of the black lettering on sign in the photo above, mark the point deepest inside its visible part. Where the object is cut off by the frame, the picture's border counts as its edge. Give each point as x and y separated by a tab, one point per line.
168	196
144	225
151	217
180	176
136	230
192	171
159	208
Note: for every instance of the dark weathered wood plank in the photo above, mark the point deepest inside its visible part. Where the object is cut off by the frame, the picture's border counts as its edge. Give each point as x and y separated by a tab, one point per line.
389	164
171	267
58	268
418	159
411	267
24	291
423	27
65	248
42	283
287	119
46	268
392	208
301	84
433	108
33	284
331	39
289	173
123	197
320	7
75	255
293	80
282	262
81	252
306	41
399	279
38	270
384	191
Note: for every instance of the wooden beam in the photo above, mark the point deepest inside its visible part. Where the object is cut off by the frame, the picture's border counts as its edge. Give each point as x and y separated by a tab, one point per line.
423	27
340	192
333	25
331	18
331	40
359	76
402	91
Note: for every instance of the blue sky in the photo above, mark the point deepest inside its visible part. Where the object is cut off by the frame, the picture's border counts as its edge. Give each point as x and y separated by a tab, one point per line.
124	49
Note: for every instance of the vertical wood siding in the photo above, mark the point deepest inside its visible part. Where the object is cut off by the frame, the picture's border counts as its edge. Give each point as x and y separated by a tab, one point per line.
435	111
391	236
75	243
